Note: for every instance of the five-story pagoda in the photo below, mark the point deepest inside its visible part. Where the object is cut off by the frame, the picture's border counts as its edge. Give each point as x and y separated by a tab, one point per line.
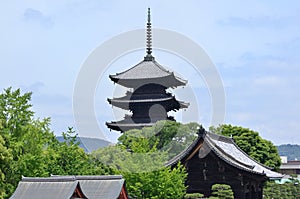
148	99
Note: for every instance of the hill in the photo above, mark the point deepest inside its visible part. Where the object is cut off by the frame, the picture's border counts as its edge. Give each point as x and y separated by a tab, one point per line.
292	151
88	144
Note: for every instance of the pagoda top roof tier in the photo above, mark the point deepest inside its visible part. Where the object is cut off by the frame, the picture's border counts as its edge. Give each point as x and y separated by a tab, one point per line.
147	71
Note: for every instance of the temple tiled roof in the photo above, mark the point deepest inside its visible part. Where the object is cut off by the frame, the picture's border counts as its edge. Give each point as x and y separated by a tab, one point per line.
34	188
226	149
56	187
147	72
96	187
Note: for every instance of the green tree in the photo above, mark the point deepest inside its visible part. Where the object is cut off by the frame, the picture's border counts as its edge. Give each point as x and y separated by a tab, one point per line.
5	159
67	158
251	143
138	158
169	136
287	190
163	183
221	191
24	136
193	196
28	147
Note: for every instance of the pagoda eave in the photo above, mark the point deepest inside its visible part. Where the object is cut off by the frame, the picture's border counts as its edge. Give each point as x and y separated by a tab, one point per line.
127	123
122	101
170	103
170	81
184	104
125	127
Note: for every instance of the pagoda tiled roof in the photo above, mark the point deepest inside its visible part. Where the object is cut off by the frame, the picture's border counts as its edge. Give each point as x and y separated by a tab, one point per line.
226	149
124	102
146	72
141	100
155	98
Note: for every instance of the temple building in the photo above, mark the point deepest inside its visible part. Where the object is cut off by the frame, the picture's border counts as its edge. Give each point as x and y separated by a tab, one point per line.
215	159
147	98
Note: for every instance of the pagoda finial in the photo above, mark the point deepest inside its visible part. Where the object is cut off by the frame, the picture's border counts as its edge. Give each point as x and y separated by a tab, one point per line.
149	56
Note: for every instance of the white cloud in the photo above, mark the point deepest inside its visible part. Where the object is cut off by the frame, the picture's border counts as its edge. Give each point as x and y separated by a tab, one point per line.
36	16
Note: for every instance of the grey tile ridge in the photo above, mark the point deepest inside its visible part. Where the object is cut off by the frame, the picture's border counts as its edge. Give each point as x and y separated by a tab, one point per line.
141	62
170	72
100	177
49	179
87	177
126	70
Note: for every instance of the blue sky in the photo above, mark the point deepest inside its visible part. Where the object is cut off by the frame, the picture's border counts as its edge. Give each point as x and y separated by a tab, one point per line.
254	45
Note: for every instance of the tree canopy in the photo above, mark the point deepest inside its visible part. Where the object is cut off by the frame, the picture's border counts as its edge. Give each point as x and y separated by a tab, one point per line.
28	147
140	157
221	191
168	136
5	158
251	143
287	190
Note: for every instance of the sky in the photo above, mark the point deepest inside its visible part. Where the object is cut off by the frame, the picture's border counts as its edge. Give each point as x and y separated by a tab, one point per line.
254	46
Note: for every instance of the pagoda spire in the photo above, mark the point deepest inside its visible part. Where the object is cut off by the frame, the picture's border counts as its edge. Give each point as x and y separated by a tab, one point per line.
149	56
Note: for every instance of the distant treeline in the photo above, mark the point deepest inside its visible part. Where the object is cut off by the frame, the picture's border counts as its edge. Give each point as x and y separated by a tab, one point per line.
292	151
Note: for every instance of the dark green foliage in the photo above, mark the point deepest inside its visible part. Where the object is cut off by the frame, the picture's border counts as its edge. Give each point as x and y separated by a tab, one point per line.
221	191
288	190
251	143
193	196
292	151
